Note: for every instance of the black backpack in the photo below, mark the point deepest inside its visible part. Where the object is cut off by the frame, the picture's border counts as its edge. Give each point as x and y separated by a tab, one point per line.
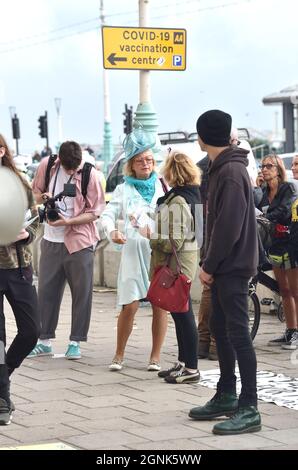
86	170
266	230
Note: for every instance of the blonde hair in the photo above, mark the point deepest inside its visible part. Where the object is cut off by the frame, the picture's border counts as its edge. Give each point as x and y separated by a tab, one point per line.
276	160
179	170
128	170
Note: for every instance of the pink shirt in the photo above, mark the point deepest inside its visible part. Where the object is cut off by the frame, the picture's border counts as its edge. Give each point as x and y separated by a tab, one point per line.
81	236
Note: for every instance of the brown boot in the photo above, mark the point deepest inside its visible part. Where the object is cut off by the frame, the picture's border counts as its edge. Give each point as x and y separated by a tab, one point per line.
212	356
203	349
204	315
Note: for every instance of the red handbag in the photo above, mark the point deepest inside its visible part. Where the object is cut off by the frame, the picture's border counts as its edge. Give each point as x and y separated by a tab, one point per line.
170	290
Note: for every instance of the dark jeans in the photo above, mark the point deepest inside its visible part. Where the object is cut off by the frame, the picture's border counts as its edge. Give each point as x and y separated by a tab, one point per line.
187	337
21	295
229	324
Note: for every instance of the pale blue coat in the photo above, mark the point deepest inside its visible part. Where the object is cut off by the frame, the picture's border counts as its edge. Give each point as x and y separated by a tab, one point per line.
133	275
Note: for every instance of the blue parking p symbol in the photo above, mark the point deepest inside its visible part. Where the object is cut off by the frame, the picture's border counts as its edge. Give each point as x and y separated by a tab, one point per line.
177	60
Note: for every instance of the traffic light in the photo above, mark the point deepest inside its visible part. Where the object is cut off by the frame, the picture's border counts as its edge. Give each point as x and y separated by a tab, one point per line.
43	126
127	121
16	127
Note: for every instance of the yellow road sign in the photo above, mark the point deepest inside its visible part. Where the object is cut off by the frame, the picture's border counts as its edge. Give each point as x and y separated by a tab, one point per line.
144	48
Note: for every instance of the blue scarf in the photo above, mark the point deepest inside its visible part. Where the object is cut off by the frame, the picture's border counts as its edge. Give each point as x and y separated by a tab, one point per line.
146	188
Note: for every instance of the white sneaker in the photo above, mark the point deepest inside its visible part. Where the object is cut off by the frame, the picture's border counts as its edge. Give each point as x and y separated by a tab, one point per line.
116	364
154	366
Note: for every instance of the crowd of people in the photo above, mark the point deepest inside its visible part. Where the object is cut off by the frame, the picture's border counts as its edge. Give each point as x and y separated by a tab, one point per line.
153	219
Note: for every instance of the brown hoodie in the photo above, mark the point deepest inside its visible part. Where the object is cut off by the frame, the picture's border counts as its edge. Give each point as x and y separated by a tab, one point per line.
231	234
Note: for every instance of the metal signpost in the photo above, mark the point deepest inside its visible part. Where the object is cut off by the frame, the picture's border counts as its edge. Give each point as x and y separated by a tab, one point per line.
144	48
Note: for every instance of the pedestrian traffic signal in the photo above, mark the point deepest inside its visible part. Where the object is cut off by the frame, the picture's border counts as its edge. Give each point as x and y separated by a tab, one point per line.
16	127
127	121
43	126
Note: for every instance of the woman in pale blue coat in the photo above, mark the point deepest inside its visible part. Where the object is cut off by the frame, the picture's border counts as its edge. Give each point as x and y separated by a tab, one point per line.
133	202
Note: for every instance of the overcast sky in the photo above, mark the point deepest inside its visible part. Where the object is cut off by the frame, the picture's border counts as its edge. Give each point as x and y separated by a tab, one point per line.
237	52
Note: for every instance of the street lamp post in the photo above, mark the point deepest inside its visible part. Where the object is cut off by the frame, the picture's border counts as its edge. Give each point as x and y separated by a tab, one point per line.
145	113
59	120
107	152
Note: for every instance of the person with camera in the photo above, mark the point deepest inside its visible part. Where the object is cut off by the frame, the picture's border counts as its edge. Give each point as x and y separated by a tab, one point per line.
16	277
67	247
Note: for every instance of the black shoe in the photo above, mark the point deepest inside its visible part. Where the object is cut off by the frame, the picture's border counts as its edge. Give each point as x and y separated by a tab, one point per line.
222	404
183	376
164	373
246	419
5	412
284	339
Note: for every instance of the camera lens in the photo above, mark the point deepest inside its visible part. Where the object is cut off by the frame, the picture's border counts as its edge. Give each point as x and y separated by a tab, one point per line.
53	214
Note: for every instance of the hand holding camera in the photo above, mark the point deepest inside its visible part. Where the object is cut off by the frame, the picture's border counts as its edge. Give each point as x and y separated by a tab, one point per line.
51	210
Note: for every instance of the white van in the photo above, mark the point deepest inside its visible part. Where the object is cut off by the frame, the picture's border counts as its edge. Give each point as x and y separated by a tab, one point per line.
188	144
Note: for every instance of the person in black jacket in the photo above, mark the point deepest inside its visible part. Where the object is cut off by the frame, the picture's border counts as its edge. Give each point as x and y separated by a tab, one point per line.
230	260
16	285
292	273
276	202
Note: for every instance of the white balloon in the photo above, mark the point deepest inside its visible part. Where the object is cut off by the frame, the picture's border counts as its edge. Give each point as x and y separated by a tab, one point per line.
13	206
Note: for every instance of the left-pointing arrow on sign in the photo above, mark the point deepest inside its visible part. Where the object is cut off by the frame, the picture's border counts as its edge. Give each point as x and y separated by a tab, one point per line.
113	59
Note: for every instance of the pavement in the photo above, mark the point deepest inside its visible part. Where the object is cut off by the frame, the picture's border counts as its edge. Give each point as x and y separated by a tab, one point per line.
81	404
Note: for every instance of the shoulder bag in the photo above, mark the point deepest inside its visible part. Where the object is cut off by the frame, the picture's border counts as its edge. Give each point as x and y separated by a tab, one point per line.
170	289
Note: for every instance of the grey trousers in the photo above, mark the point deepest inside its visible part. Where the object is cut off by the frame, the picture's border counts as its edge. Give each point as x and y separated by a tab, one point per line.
57	266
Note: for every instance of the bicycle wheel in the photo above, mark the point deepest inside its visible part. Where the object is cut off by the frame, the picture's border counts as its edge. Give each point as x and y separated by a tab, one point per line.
280	312
254	313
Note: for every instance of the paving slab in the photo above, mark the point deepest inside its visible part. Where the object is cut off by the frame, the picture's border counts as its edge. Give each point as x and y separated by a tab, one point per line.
84	405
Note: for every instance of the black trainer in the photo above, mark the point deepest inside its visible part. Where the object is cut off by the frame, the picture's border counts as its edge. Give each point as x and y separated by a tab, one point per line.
5	412
183	376
284	339
175	368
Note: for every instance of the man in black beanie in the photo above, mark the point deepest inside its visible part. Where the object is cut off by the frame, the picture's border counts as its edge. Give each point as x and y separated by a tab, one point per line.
230	259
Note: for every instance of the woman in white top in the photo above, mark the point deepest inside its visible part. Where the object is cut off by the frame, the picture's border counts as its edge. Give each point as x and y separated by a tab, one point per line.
133	203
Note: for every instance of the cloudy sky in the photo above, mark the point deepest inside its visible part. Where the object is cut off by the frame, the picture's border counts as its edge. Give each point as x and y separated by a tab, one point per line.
237	52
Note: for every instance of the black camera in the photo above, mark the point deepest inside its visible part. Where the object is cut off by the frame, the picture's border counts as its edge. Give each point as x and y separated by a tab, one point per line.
51	210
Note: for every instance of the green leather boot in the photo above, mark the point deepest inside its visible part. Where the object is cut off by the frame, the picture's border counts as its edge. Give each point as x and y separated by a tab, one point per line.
246	419
222	404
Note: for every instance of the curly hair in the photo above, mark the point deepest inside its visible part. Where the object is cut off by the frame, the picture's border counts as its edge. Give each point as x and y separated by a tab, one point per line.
179	170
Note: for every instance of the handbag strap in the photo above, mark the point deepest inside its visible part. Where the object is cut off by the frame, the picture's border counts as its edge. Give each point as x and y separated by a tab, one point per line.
178	264
163	184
